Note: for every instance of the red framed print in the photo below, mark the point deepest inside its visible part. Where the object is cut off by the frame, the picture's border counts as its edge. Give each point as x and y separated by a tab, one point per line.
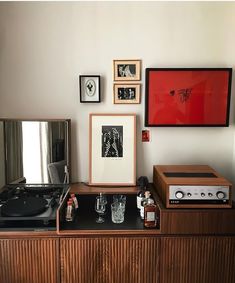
187	97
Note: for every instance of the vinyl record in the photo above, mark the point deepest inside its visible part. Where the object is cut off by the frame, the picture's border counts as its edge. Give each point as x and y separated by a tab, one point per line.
24	206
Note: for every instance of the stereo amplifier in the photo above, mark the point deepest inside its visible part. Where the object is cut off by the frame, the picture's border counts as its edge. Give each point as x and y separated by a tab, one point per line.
191	186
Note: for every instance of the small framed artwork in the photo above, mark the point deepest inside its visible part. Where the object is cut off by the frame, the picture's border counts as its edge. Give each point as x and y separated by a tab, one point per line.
145	136
126	70
187	97
112	150
126	93
89	88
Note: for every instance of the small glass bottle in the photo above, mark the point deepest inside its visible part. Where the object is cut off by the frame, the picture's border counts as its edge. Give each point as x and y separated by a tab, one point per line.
140	197
144	202
69	211
150	214
143	184
75	201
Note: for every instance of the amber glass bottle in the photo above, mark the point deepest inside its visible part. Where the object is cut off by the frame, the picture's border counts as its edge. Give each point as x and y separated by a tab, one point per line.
150	214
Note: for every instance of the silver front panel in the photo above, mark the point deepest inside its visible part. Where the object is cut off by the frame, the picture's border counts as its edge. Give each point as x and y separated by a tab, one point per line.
198	192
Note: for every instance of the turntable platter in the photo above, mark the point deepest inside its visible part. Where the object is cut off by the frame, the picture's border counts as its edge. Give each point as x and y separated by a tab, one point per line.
24	206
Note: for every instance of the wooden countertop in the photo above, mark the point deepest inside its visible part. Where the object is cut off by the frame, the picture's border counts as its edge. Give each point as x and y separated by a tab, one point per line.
84	188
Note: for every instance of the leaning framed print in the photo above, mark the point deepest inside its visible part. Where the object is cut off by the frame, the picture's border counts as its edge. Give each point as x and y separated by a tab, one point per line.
126	70
89	86
187	97
112	149
126	93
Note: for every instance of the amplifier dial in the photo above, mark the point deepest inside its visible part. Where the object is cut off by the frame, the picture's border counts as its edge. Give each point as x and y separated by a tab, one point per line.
220	195
202	194
179	194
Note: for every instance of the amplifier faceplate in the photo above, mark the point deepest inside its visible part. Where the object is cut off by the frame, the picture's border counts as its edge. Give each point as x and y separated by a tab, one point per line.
198	194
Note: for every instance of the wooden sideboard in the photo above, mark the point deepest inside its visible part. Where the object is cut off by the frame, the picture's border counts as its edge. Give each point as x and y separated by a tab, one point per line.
130	256
118	259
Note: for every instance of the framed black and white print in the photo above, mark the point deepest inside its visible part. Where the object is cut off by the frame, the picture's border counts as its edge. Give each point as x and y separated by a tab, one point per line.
89	86
126	70
126	93
112	150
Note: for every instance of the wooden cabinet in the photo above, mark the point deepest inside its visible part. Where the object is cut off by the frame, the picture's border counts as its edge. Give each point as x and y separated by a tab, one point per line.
29	260
110	260
197	259
118	259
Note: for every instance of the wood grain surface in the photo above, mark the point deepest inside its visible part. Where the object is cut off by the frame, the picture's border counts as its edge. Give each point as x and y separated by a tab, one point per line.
109	260
29	260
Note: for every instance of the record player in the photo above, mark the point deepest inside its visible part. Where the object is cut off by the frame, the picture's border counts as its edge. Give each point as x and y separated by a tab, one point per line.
34	172
30	207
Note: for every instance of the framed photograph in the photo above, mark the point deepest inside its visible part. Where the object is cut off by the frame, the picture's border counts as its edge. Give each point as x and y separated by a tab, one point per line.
89	88
126	70
189	97
126	93
112	152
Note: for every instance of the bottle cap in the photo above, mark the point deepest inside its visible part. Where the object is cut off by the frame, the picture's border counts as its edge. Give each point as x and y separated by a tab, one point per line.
72	195
147	194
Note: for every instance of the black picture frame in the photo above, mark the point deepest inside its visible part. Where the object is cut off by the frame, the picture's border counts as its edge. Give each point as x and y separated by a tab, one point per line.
162	81
89	88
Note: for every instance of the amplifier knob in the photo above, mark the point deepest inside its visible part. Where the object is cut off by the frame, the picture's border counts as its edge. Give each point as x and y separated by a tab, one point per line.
179	194
202	194
220	195
189	194
210	194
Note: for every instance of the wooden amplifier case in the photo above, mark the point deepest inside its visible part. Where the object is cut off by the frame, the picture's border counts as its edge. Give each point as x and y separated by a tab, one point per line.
162	183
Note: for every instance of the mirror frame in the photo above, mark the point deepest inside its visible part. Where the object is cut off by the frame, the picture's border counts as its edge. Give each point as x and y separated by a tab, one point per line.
18	181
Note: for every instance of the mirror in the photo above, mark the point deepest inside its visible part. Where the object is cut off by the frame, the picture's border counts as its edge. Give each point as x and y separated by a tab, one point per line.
34	152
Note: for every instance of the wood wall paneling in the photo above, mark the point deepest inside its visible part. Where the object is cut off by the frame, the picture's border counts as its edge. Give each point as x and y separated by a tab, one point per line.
29	260
109	260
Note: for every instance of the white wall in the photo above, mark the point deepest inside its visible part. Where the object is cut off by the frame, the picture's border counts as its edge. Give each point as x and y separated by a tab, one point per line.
44	46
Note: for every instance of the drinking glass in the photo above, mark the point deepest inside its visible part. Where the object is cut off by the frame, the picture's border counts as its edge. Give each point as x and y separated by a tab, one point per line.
100	208
104	198
117	212
119	198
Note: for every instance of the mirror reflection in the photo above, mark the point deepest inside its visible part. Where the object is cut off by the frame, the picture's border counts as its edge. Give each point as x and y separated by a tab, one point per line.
34	152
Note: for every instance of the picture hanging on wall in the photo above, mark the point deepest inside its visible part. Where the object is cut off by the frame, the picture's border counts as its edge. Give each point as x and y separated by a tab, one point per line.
126	93
89	86
126	70
112	152
187	97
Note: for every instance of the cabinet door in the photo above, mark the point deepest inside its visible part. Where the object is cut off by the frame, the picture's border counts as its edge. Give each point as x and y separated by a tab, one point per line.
28	260
109	260
197	259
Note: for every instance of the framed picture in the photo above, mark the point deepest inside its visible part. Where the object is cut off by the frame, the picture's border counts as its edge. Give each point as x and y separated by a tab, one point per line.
126	93
126	70
112	152
89	89
188	97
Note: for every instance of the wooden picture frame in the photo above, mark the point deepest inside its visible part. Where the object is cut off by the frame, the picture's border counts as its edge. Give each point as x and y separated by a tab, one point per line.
89	86
187	97
126	93
112	149
126	70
